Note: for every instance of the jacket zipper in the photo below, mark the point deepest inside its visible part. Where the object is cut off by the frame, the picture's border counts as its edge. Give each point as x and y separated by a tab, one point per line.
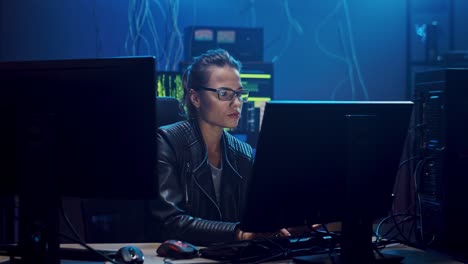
187	178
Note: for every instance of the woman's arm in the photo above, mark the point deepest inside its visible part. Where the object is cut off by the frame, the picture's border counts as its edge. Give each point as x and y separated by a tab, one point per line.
170	208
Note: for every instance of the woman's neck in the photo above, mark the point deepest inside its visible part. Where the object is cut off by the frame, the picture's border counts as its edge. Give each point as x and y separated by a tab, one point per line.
212	138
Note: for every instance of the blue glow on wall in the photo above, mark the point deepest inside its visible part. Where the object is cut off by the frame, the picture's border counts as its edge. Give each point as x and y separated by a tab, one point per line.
323	50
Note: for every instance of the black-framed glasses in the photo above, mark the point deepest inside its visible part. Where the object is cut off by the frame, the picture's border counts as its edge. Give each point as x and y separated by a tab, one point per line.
227	94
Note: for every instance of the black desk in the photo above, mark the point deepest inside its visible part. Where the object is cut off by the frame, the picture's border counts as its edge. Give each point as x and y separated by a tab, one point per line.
411	255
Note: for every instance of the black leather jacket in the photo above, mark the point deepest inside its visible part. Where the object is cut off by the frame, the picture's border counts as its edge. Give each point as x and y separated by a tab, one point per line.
186	208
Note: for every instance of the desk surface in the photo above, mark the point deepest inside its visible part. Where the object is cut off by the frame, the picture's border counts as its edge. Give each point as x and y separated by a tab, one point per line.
411	255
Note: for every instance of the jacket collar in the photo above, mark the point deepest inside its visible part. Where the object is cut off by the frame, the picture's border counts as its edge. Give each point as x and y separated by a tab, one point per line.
201	169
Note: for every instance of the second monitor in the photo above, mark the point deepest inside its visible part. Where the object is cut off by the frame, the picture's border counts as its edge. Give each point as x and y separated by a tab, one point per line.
320	162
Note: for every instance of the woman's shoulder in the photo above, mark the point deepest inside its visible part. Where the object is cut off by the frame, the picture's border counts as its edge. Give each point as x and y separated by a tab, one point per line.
238	146
174	127
179	131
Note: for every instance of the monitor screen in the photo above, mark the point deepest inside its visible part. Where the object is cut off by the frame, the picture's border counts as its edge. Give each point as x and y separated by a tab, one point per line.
82	128
169	84
258	79
318	161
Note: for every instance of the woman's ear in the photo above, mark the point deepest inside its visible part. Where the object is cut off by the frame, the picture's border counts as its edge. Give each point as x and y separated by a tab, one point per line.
195	98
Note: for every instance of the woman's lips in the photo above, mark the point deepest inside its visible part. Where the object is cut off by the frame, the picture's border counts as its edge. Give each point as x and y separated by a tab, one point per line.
234	115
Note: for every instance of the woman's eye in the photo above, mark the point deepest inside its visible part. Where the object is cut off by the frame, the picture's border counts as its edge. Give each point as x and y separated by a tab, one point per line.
223	93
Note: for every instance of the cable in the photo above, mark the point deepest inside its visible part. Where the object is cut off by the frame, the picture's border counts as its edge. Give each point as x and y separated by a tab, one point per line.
139	22
159	46
348	62
78	238
396	225
130	36
379	225
333	96
353	51
89	248
407	160
129	33
409	152
318	30
293	24
283	50
333	245
350	58
418	196
150	23
179	52
137	16
175	36
142	18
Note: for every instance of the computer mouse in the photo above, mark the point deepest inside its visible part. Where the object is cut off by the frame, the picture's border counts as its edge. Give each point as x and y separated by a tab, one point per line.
130	255
177	249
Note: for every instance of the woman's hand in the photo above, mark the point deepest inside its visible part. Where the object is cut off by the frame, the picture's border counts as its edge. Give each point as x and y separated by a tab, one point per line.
300	230
241	235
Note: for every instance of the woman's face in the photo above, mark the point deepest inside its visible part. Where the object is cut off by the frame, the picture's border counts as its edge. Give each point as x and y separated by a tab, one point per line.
211	110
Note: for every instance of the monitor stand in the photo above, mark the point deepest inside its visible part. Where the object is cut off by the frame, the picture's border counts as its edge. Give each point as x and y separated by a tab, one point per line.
39	232
38	178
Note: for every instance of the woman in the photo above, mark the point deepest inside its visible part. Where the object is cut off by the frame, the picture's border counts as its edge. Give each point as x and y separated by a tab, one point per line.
202	169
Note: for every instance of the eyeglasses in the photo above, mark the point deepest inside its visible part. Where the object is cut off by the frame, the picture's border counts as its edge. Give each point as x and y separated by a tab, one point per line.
227	94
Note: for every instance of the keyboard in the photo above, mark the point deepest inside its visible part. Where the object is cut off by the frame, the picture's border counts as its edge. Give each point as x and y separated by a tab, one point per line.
311	248
263	249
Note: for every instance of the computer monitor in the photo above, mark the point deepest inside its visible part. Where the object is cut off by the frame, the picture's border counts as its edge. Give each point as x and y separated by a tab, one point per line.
79	128
321	161
257	77
169	84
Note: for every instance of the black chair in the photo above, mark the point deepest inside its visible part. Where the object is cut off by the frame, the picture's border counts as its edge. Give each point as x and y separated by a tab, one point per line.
168	111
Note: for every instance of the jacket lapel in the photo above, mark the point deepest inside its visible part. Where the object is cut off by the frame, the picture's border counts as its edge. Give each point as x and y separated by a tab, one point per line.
201	169
204	180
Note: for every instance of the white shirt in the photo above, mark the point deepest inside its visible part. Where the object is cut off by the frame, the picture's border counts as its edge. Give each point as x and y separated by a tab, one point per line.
216	174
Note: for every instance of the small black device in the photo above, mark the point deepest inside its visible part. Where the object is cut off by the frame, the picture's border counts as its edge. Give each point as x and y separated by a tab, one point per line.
130	255
441	115
177	249
326	161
